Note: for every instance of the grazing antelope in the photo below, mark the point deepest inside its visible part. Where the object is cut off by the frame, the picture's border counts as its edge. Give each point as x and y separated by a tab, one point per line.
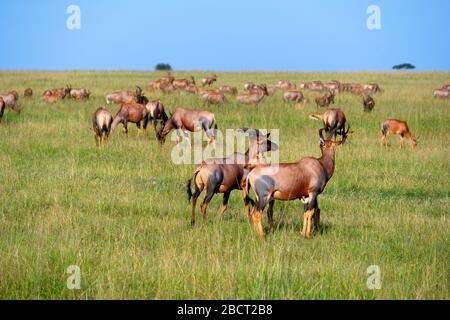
58	93
400	127
79	94
303	180
316	86
28	92
188	120
209	81
228	89
368	103
183	83
2	108
333	121
356	89
101	123
156	112
10	100
131	112
191	89
255	96
125	96
294	96
285	85
213	98
441	93
372	88
167	88
249	86
325	100
223	175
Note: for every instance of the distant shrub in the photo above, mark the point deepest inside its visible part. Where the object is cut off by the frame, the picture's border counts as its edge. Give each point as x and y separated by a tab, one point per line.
404	66
163	66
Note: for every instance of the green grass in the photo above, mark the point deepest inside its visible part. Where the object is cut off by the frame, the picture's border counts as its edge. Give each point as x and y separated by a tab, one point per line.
121	213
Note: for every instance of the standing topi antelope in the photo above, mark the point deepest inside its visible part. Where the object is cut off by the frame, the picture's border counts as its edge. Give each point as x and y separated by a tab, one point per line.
125	96
223	175
255	96
303	180
131	112
188	120
156	112
78	94
400	127
101	123
209	81
213	98
368	103
325	100
294	96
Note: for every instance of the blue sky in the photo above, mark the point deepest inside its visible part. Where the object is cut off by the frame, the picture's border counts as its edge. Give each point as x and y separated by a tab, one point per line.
232	35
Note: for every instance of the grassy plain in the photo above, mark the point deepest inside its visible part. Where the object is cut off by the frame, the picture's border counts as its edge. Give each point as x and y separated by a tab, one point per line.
121	214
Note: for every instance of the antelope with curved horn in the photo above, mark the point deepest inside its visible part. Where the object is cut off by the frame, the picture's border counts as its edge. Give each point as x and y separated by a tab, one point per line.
303	180
188	120
125	96
400	127
223	175
101	123
131	112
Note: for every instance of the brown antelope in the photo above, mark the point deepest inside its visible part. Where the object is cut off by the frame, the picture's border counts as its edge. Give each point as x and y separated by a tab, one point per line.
316	86
131	112
156	112
325	100
285	85
183	83
10	100
188	120
101	123
255	96
249	86
58	93
2	108
356	89
228	89
209	81
333	121
79	94
372	88
167	88
368	103
213	98
303	180
28	92
400	127
441	93
191	89
223	175
294	96
125	96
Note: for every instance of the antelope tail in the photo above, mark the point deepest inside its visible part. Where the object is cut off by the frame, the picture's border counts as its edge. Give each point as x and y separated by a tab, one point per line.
315	116
188	185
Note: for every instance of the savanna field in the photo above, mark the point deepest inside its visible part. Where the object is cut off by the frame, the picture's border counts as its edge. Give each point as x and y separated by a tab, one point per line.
121	213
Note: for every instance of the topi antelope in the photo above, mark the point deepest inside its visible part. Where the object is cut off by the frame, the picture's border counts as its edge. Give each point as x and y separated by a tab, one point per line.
79	94
101	123
400	127
442	93
131	112
213	98
183	83
325	100
10	100
368	103
303	180
125	96
156	112
223	175
188	120
255	96
228	89
294	96
333	121
285	85
372	88
209	81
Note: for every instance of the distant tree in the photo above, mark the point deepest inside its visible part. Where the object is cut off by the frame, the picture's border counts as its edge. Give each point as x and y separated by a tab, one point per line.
163	67
404	66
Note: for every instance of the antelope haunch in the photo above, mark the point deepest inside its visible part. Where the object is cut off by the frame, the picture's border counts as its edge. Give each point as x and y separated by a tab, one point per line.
368	103
10	99
101	123
223	175
156	112
303	180
28	92
188	120
228	89
255	97
372	88
125	96
400	127
333	121
183	83
442	93
131	112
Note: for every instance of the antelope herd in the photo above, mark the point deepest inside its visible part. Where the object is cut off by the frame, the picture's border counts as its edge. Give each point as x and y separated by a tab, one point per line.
303	180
